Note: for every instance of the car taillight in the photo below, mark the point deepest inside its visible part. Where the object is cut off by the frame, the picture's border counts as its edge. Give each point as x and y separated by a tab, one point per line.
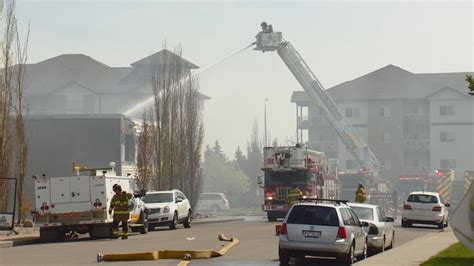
341	233
373	230
283	229
226	202
406	207
436	209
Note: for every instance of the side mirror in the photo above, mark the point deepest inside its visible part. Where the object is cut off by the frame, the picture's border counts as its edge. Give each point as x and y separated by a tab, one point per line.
178	200
447	204
389	219
364	224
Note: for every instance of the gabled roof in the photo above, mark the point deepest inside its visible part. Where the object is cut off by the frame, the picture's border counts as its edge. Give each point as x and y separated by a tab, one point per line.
48	75
454	93
51	74
392	82
389	82
161	57
455	80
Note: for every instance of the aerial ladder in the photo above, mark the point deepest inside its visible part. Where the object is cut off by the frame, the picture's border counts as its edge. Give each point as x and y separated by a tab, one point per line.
268	40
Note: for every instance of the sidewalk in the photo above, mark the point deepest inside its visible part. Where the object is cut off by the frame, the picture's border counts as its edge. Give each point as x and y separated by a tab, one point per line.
33	234
414	252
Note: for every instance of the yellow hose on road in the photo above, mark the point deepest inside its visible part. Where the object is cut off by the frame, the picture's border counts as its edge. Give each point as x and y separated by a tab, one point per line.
186	255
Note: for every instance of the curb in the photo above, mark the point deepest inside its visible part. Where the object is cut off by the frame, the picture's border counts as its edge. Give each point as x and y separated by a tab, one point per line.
33	240
19	242
410	252
219	221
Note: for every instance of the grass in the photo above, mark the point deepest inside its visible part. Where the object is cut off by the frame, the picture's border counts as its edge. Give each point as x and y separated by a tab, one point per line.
455	255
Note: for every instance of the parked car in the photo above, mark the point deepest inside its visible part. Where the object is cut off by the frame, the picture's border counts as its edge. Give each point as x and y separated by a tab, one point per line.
213	202
322	229
167	208
425	208
380	231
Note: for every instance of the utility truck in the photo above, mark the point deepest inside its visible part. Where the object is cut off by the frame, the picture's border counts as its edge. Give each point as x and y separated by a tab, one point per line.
285	167
79	204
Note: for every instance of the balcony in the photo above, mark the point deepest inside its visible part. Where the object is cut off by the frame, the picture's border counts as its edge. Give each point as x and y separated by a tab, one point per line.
416	145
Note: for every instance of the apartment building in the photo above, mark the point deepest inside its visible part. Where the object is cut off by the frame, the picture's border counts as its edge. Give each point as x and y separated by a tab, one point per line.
414	123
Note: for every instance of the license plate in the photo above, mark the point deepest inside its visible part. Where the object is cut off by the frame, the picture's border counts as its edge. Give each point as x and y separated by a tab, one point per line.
311	234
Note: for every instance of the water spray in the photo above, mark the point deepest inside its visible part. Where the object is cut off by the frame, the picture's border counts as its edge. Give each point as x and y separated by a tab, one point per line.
149	100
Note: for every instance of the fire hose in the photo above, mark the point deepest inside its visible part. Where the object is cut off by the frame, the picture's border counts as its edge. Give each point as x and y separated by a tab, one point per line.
185	255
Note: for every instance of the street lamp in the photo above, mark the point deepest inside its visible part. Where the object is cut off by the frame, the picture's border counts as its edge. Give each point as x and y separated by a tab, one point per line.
265	122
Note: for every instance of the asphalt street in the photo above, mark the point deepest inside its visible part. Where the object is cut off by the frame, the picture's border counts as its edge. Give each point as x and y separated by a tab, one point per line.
258	245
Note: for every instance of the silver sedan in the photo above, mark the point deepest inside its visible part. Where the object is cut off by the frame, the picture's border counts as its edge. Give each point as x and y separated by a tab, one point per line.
379	228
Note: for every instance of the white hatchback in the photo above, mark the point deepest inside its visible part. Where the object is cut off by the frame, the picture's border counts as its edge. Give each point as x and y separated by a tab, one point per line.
167	208
424	208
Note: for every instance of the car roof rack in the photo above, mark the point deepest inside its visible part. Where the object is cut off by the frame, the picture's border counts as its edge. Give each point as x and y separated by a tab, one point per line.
338	202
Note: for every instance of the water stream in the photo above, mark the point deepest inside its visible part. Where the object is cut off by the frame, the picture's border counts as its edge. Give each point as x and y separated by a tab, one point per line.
142	105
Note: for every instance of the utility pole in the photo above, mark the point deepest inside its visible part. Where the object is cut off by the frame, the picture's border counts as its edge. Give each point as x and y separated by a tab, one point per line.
265	123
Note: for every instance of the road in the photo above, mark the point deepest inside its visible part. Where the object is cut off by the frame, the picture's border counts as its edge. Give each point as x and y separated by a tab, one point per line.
258	245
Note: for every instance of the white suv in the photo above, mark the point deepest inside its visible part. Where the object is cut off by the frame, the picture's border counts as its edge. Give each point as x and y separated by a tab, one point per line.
167	208
424	208
213	202
322	229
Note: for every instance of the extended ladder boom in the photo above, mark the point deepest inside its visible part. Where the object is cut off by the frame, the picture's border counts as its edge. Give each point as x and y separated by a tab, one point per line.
273	41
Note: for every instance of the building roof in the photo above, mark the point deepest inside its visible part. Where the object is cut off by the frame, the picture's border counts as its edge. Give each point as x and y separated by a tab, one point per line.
164	56
53	74
392	82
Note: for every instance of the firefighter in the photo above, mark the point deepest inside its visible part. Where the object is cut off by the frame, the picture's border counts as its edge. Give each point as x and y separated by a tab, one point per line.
294	194
361	194
119	204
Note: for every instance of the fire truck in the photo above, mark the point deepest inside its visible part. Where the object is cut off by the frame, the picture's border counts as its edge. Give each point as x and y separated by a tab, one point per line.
268	40
288	166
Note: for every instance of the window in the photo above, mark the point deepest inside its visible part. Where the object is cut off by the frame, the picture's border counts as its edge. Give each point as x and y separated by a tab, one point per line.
385	164
158	198
313	215
381	215
350	164
346	217
446	110
446	137
420	198
385	111
386	137
74	103
364	213
447	163
354	216
352	112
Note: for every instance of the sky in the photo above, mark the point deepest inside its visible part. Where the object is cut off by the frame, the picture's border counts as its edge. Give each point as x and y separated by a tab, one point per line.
339	40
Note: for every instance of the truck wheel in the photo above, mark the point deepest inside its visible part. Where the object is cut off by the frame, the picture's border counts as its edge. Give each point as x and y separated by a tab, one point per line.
187	222
48	234
271	217
99	231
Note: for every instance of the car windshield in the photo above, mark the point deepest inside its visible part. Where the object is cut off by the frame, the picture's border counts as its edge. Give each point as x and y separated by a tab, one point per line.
313	215
420	198
364	213
158	198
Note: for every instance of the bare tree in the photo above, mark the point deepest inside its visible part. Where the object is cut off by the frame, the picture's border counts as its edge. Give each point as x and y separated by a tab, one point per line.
13	147
177	131
145	155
